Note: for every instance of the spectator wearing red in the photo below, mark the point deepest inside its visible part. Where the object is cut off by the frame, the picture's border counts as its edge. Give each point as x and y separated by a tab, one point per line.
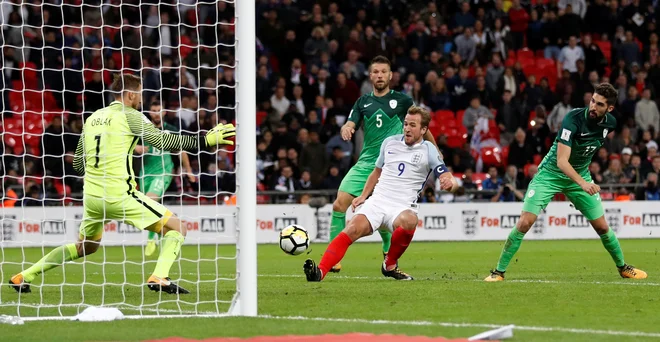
519	19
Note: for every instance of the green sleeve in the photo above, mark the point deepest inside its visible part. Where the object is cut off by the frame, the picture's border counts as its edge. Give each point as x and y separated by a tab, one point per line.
356	115
142	127
568	130
78	158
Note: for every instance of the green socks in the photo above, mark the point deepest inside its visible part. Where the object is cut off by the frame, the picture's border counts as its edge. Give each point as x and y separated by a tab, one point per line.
55	258
171	247
337	224
387	239
510	248
151	236
611	243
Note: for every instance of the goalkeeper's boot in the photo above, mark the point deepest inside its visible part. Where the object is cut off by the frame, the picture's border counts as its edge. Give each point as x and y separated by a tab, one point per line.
159	284
396	273
495	275
336	268
151	248
18	283
312	272
629	271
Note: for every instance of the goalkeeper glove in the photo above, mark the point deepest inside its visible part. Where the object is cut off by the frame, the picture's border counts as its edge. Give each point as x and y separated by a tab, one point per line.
219	134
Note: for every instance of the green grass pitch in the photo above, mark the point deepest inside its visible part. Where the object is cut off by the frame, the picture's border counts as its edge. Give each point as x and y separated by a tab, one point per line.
550	284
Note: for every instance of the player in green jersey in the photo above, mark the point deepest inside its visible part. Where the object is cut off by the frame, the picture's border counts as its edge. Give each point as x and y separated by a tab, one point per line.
105	156
565	169
381	115
157	167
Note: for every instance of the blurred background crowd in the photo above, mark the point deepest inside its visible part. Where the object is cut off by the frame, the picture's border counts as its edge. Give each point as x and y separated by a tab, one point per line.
497	76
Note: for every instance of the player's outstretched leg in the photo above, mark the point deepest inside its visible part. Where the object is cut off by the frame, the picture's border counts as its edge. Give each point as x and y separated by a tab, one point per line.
21	281
611	244
151	244
172	241
406	224
512	245
338	222
358	227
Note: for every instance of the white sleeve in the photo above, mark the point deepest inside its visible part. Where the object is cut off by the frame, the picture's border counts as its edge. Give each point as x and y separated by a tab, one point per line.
435	162
381	157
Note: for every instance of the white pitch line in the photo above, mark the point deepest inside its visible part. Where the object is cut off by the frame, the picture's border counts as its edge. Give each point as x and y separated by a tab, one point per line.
531	281
469	325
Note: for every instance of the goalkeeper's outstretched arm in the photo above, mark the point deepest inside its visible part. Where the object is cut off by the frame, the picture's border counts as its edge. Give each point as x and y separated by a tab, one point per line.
142	127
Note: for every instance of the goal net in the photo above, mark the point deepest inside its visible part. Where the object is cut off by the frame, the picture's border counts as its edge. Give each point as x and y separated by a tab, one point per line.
58	63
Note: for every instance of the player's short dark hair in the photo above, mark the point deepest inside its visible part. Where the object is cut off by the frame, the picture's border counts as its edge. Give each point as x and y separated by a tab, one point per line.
380	60
124	82
155	103
426	117
607	91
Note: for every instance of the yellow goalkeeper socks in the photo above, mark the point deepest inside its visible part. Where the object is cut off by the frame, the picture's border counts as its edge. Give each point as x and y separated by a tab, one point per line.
171	246
55	258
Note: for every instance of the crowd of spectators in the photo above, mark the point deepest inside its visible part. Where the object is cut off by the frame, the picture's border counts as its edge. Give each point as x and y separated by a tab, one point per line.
471	58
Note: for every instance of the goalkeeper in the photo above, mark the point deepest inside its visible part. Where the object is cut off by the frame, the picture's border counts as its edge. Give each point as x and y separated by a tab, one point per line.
104	157
157	169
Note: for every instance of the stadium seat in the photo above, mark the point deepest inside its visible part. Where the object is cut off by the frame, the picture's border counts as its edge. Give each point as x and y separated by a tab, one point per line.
459	116
491	156
537	159
443	114
525	54
606	49
261	116
505	155
478	178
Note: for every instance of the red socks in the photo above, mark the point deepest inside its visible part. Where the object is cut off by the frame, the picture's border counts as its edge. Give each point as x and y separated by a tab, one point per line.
335	252
400	240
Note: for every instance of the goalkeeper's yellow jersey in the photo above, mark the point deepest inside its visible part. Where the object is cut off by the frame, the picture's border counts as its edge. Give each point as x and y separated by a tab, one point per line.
105	150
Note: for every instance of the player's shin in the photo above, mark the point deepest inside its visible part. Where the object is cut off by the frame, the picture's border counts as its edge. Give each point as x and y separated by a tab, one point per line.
611	244
171	247
400	241
510	248
335	252
337	224
386	236
55	258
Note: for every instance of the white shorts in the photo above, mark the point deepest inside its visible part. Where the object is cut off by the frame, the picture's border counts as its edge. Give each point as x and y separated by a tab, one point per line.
381	213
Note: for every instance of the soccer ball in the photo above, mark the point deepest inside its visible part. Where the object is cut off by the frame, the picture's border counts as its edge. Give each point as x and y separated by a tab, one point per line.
294	240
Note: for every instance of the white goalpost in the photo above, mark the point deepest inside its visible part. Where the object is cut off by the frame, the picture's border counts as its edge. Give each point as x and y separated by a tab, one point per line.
57	64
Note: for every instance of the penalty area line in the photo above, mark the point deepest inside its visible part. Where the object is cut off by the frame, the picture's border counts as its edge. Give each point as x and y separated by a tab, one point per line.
468	325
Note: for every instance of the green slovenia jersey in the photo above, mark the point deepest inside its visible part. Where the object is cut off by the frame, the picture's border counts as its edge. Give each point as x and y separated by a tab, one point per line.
584	138
381	117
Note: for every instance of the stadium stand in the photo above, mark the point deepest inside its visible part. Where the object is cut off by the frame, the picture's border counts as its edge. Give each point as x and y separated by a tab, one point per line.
519	66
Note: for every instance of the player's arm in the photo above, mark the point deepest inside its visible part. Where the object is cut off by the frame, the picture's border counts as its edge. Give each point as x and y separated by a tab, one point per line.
564	153
186	166
447	180
354	118
428	136
166	141
140	149
368	187
79	156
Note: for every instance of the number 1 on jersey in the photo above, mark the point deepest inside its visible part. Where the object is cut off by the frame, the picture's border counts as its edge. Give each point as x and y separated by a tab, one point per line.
401	167
98	150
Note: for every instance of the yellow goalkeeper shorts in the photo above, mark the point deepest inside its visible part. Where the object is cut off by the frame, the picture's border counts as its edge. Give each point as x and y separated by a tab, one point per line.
135	209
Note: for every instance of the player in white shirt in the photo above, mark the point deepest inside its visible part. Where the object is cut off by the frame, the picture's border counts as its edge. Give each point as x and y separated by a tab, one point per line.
405	163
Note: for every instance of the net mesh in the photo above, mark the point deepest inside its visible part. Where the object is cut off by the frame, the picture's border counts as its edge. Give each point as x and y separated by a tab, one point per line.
58	60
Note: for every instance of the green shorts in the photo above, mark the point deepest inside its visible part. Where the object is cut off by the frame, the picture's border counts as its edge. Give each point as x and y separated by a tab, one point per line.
155	185
137	209
546	184
354	181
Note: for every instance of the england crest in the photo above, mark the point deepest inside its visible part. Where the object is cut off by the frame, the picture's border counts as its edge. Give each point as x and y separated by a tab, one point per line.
416	158
604	132
393	104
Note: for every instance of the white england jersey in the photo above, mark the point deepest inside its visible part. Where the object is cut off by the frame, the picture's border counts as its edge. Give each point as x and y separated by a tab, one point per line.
405	169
